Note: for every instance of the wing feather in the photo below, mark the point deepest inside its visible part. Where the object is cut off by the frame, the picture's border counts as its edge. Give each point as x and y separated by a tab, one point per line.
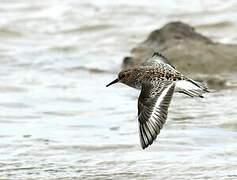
157	59
153	110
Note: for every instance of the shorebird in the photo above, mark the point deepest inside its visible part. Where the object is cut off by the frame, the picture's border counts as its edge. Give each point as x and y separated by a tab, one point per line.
158	80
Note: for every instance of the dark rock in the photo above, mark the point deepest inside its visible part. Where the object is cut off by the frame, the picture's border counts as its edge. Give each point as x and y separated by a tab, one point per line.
190	52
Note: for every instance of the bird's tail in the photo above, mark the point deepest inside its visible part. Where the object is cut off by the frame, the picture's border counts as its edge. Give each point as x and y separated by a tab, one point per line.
191	88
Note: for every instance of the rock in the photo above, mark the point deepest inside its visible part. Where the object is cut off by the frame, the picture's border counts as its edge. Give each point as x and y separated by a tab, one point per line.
190	52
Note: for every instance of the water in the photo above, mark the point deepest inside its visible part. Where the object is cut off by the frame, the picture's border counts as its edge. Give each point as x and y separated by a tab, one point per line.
58	121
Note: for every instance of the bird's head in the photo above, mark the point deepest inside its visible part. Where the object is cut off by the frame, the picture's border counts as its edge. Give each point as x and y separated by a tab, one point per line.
123	77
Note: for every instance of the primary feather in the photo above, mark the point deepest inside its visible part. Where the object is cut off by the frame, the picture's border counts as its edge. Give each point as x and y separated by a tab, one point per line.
153	110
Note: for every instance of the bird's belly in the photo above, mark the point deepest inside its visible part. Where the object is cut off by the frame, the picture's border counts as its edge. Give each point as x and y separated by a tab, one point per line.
136	85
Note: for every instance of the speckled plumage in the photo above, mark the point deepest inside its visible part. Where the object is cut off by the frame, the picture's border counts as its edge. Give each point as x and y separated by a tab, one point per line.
153	70
158	80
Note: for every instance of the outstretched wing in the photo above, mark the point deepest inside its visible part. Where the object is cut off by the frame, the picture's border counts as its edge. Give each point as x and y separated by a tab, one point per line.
153	106
157	59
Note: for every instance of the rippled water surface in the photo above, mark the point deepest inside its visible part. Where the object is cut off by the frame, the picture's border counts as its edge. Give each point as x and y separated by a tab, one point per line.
57	118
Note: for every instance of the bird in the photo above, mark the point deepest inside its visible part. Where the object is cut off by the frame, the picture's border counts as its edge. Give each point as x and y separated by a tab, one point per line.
158	80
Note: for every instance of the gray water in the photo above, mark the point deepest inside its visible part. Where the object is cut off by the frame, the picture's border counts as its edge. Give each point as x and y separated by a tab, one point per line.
57	119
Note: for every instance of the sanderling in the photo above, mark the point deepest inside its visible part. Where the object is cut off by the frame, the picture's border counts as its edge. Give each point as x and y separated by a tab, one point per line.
158	80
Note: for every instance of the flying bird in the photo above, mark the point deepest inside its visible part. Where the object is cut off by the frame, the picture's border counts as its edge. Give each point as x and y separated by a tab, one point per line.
158	80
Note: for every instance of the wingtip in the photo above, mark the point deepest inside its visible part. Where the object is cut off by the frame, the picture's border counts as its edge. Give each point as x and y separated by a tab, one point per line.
144	147
156	53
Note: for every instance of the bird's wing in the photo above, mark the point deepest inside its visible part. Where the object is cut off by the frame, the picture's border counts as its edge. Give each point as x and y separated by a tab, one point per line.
157	59
153	106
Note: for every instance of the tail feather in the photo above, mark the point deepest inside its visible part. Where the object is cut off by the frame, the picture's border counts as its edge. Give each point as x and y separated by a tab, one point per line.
200	85
191	88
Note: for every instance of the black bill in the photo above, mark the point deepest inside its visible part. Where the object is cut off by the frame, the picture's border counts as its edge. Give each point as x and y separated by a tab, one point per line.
114	81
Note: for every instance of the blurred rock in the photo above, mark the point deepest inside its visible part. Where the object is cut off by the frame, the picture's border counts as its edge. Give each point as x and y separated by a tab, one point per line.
190	52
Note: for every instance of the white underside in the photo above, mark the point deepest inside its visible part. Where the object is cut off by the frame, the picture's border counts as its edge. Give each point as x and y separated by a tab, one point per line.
188	87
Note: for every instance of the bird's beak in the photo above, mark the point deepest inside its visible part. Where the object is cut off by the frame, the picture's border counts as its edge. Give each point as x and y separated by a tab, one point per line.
113	82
